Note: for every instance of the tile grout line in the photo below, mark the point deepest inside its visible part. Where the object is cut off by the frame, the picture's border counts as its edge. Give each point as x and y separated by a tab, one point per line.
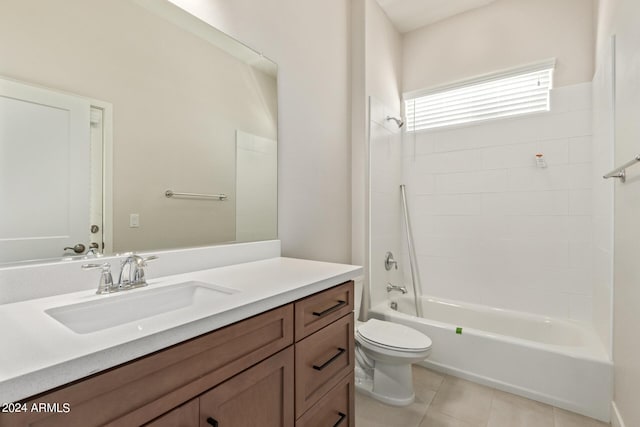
493	397
437	390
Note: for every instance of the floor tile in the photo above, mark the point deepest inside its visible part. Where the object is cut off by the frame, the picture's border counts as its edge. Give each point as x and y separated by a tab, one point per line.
445	401
569	419
371	413
463	400
437	419
508	410
425	379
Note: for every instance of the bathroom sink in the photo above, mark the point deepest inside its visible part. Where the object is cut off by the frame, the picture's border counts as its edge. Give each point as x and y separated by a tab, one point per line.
118	309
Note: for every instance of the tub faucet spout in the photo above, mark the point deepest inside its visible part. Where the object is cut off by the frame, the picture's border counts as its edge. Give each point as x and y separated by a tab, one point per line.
391	287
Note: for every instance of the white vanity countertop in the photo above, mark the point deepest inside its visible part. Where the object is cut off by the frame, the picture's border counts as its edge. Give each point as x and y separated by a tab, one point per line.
39	353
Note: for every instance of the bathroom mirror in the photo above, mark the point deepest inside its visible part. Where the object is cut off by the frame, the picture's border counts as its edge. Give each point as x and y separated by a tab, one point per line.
130	125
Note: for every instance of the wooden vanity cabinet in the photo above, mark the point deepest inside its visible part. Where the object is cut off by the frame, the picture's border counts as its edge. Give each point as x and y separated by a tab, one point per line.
325	355
187	415
253	372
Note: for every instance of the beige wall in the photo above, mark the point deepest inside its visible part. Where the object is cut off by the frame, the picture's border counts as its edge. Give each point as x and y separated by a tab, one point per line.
310	42
167	135
383	49
620	18
502	35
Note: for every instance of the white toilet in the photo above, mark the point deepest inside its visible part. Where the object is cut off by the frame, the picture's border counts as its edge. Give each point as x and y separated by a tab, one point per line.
384	354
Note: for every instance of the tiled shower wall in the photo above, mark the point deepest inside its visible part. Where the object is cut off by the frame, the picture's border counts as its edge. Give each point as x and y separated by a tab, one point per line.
603	148
490	227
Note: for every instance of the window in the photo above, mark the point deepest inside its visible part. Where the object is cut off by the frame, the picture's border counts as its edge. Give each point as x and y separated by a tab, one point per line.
525	90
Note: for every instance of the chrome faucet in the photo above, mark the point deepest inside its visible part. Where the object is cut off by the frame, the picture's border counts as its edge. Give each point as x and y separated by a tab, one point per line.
106	285
132	271
391	287
131	274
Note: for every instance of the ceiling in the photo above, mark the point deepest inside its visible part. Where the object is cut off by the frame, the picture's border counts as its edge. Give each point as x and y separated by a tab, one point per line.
408	15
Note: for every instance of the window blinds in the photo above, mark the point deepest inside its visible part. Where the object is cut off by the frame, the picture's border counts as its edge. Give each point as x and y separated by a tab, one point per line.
490	98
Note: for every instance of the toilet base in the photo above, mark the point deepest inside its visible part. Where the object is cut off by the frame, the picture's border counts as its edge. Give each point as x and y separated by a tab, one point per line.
391	384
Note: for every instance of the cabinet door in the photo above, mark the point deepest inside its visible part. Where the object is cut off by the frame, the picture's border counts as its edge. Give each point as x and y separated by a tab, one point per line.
183	416
261	395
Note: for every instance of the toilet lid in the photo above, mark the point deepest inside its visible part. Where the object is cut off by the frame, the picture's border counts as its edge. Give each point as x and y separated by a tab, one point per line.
394	335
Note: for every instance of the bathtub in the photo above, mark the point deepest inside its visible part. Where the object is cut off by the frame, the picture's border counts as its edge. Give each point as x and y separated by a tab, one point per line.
554	361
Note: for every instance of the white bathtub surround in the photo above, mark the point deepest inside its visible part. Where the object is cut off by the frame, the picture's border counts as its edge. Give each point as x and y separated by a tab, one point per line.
492	228
45	354
554	361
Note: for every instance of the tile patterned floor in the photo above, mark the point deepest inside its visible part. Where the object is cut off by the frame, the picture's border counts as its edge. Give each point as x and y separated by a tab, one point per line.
446	401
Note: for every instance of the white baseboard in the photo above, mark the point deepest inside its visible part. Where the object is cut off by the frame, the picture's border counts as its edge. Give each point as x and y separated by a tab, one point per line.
616	418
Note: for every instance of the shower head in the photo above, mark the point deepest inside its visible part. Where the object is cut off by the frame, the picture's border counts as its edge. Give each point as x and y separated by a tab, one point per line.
398	121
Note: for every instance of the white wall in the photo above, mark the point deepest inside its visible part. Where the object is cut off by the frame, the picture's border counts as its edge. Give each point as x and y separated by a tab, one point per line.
620	18
376	75
310	42
501	35
492	228
383	54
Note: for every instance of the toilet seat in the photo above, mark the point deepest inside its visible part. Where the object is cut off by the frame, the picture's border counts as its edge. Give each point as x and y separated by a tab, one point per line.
393	336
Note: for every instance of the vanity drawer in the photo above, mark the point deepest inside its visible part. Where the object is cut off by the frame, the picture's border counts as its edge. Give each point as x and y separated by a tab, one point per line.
317	311
322	360
336	408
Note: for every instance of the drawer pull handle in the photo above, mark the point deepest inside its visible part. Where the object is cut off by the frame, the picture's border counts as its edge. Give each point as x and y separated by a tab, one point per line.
330	309
328	362
214	423
342	417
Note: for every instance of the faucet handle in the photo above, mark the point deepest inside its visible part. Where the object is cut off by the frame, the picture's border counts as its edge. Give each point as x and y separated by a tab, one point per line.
141	262
106	280
138	260
132	271
389	261
150	258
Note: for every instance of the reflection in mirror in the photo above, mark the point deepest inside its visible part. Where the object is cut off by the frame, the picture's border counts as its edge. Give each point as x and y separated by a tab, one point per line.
106	105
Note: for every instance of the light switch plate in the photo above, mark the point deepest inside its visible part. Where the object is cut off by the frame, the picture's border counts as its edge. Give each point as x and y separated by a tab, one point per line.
134	220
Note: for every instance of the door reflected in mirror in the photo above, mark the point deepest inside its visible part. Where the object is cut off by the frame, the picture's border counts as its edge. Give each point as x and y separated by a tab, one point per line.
106	105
